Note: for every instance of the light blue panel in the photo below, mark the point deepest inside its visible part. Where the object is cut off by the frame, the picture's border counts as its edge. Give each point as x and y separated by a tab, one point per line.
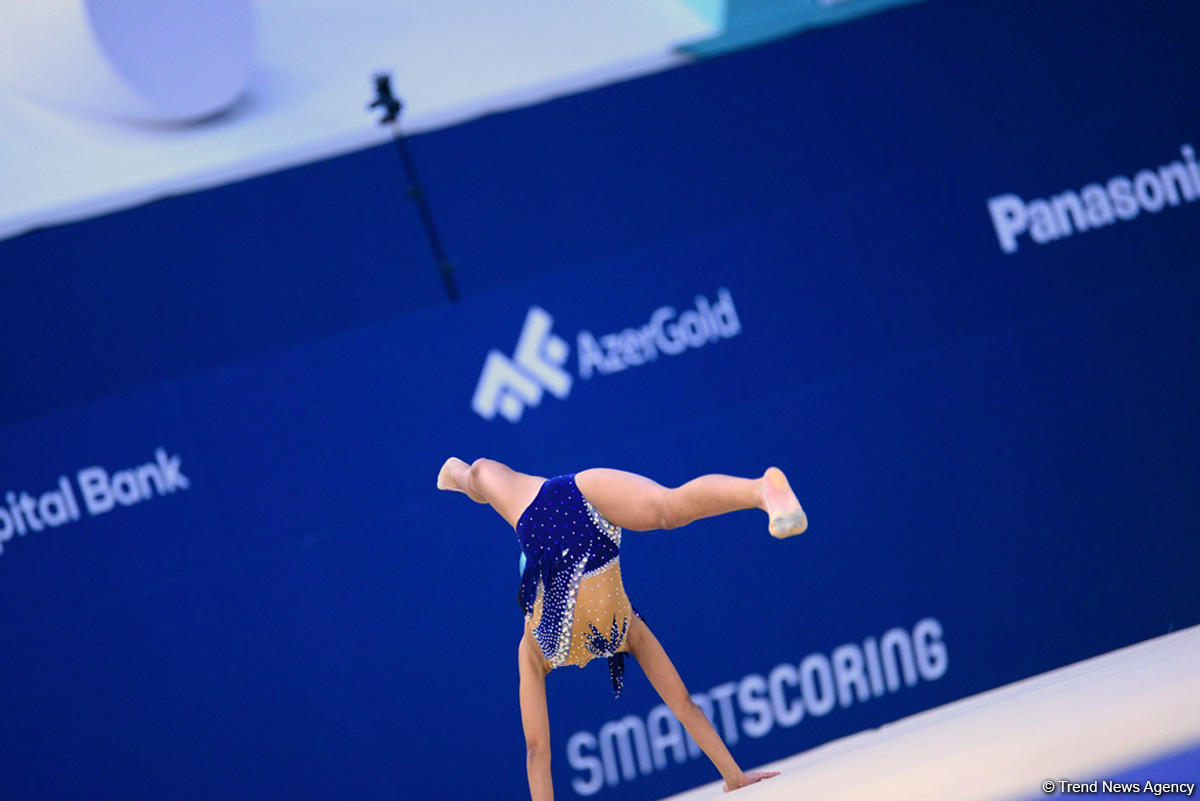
750	22
711	10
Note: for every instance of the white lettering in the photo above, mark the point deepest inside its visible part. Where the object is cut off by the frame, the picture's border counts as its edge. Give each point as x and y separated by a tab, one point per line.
1121	190
30	509
174	479
848	672
665	333
752	699
93	485
787	714
124	488
101	493
1189	158
590	356
1045	225
1099	207
816	684
725	315
1010	218
580	761
897	651
1149	191
64	486
626	736
1176	183
633	746
7	528
1068	203
931	653
874	668
1095	205
52	508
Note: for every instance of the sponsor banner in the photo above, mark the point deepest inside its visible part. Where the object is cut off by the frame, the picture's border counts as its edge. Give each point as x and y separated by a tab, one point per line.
508	385
968	497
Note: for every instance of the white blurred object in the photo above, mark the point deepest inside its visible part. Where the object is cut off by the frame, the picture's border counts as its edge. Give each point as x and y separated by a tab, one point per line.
452	60
147	60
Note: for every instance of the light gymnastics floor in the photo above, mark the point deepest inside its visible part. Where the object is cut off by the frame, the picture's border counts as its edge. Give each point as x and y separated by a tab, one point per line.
1132	714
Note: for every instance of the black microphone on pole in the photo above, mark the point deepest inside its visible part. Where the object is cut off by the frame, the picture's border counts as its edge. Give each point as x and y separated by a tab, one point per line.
391	106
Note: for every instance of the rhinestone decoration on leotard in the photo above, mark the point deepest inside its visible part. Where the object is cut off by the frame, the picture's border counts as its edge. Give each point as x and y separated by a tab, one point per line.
611	531
599	645
616	673
571	587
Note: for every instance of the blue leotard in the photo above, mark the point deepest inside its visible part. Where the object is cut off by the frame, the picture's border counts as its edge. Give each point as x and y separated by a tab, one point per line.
571	591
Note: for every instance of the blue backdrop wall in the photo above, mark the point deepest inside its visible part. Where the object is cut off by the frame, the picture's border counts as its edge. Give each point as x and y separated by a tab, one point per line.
225	413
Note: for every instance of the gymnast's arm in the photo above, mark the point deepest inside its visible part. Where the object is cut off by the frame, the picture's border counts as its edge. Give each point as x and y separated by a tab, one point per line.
535	719
657	666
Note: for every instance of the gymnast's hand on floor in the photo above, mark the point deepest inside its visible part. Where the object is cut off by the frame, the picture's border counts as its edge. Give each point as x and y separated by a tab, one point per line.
750	778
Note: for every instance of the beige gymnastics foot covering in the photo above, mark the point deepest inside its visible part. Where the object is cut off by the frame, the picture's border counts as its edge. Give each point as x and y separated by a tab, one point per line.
443	479
787	518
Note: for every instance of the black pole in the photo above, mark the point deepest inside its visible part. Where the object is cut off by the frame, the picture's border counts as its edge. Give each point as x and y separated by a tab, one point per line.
418	196
391	107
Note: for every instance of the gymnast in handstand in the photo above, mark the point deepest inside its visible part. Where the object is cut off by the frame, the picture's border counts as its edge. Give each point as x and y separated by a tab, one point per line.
575	606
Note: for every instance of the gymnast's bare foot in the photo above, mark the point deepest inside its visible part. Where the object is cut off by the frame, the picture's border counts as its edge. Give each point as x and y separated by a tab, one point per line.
787	518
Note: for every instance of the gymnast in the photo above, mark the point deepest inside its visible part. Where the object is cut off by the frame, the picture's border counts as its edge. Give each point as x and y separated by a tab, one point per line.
575	606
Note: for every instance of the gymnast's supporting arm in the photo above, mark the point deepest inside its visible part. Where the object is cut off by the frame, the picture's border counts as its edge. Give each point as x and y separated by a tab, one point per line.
535	718
657	666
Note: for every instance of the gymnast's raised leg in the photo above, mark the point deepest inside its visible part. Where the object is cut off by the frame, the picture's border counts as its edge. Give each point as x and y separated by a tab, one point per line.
639	504
632	501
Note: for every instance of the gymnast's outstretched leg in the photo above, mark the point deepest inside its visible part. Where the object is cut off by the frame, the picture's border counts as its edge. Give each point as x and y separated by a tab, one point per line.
632	501
491	482
636	503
